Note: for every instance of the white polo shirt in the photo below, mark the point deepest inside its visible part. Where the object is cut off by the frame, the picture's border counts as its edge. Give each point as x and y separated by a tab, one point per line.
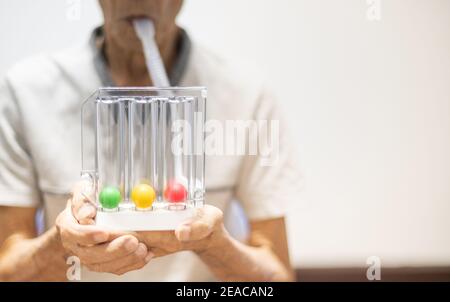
40	153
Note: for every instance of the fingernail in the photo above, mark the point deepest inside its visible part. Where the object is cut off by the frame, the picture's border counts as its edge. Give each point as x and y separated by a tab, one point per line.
130	245
149	257
87	221
184	233
86	211
141	250
100	237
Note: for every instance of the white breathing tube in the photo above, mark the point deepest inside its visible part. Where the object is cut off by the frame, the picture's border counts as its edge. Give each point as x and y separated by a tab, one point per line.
145	30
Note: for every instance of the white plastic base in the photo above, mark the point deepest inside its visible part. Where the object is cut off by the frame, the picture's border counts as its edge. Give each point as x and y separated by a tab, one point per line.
130	220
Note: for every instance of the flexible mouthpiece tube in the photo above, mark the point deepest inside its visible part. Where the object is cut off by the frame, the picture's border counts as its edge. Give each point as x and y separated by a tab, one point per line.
145	31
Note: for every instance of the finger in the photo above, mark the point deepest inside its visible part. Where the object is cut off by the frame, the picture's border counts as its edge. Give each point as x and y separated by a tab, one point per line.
158	252
135	266
83	207
87	221
84	188
130	268
85	214
135	260
71	231
201	226
86	235
116	249
155	238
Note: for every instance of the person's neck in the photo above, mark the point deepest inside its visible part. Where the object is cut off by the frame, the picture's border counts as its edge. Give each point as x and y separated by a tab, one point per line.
128	67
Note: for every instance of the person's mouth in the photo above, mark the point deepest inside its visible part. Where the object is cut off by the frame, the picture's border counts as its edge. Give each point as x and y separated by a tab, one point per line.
130	19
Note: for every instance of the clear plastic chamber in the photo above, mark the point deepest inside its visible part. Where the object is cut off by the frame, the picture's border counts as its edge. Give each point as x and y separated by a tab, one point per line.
143	148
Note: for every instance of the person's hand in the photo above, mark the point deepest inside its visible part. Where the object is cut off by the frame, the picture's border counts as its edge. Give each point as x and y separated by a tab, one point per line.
98	249
203	232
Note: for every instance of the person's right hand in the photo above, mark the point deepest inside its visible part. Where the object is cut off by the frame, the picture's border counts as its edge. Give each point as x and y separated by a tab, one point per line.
98	249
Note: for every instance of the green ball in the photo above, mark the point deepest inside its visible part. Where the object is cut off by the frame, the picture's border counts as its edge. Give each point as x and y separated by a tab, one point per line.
110	197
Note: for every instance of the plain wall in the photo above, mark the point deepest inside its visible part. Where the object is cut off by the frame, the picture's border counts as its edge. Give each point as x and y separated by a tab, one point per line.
369	102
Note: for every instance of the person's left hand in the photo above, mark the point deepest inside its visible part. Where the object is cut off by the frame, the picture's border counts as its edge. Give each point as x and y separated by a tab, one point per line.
204	231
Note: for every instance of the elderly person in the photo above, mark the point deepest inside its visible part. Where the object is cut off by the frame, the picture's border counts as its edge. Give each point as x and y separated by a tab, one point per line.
40	101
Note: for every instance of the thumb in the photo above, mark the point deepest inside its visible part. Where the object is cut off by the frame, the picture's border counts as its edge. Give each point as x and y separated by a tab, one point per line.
83	206
206	220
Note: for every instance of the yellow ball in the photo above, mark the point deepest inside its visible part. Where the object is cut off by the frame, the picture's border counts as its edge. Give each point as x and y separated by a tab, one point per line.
143	196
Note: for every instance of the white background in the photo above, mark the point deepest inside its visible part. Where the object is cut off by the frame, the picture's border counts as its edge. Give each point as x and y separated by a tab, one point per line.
370	103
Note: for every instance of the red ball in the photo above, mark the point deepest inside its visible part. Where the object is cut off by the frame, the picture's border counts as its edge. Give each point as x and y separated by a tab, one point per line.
175	192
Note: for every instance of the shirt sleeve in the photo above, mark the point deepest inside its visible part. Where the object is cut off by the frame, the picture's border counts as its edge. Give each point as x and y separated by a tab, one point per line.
18	185
270	179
